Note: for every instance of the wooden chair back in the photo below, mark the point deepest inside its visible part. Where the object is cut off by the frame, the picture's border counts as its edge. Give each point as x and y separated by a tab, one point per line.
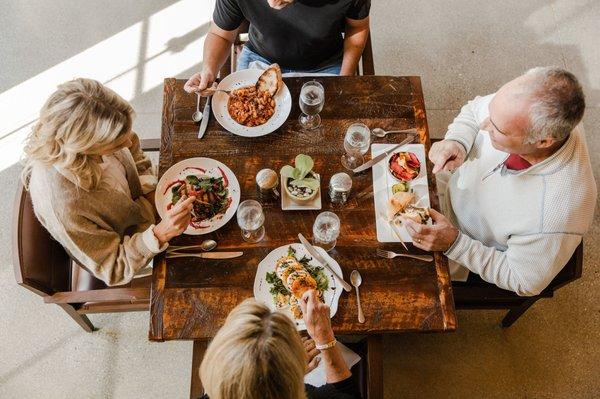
40	263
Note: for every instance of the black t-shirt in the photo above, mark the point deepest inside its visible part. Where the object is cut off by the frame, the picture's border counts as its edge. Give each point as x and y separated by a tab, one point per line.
346	389
306	34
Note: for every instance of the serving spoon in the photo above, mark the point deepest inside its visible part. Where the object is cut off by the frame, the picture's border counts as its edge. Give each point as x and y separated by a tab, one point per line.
379	132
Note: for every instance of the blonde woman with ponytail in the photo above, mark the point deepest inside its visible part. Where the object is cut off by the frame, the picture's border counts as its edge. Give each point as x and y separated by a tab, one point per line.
92	186
258	354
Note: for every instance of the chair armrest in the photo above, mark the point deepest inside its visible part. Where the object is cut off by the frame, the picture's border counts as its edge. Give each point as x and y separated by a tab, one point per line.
103	295
150	144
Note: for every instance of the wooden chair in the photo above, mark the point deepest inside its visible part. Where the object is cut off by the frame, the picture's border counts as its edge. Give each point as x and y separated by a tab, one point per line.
478	294
366	66
43	266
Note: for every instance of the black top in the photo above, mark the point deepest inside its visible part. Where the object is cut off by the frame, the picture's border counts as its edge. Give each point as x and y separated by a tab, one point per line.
306	34
346	389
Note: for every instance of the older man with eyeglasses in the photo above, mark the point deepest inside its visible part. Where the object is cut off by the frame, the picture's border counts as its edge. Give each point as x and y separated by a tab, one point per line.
521	194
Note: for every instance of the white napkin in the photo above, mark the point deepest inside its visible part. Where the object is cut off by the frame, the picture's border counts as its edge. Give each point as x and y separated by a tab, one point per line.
317	377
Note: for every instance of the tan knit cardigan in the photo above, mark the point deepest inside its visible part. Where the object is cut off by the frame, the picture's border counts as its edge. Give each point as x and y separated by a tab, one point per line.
105	230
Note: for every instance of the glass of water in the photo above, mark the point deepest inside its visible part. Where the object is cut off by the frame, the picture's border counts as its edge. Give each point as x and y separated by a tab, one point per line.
356	145
312	99
251	219
326	230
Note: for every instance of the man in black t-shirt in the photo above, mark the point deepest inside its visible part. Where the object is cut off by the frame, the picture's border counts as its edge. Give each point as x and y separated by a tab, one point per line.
299	35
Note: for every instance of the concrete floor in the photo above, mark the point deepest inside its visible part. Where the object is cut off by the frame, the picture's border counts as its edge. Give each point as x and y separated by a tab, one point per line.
460	49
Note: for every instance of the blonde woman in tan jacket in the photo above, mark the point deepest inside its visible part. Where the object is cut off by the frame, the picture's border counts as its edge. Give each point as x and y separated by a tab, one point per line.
91	185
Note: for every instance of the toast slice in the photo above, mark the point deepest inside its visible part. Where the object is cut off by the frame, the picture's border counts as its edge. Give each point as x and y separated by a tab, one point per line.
270	81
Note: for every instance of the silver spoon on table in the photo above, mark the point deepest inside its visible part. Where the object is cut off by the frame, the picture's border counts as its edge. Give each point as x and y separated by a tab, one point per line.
206	246
197	116
379	132
356	280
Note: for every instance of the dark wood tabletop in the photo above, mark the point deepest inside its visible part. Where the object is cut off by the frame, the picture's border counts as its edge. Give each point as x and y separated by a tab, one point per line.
191	298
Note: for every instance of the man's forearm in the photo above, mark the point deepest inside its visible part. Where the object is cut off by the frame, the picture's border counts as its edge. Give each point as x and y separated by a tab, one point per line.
354	44
216	50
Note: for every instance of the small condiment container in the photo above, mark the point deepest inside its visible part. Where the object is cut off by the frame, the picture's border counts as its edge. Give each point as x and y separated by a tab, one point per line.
267	182
340	185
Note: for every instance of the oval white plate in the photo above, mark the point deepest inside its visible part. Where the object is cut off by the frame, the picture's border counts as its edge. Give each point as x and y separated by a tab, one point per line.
261	287
179	172
243	78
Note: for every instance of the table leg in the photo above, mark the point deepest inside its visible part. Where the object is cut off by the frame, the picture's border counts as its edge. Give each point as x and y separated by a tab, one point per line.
196	389
374	367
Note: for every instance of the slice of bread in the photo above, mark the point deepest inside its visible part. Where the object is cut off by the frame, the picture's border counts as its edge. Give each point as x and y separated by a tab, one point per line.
270	80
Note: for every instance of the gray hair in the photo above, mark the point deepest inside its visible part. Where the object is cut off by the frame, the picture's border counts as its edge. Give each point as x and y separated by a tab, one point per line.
558	104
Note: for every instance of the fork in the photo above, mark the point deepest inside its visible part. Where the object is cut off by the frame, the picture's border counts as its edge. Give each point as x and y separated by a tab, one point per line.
392	255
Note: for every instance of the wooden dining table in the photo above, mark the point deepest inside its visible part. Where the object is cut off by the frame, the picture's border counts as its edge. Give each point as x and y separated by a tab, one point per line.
190	298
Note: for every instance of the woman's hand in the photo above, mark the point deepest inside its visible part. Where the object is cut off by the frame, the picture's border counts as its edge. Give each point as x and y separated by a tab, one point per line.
311	354
176	220
316	317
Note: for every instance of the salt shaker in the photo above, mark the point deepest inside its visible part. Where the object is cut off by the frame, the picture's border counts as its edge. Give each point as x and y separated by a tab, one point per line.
267	182
340	185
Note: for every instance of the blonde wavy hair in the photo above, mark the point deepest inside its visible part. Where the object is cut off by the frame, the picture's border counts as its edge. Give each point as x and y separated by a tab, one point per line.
79	120
257	354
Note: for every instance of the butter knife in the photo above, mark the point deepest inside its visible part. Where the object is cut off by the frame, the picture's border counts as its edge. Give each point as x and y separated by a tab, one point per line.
205	117
311	250
379	157
208	255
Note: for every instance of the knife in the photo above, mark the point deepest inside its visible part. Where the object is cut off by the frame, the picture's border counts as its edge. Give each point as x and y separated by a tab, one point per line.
311	250
379	157
208	255
205	117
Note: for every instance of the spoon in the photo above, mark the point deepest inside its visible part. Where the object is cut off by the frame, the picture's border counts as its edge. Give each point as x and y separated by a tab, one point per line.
206	245
197	116
356	280
379	132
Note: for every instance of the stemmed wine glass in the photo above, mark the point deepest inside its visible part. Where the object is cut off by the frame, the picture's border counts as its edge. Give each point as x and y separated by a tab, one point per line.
356	145
312	99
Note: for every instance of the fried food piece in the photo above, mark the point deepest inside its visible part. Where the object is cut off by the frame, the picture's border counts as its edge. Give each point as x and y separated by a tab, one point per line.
299	282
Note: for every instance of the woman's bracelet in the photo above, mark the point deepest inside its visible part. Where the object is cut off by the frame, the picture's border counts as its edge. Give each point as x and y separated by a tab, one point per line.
328	345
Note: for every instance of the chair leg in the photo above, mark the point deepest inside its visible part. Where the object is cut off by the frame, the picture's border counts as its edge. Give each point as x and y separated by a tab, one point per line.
79	318
517	312
196	389
374	367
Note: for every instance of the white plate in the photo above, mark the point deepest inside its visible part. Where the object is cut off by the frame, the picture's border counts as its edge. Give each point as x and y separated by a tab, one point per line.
383	182
288	205
243	78
261	287
179	172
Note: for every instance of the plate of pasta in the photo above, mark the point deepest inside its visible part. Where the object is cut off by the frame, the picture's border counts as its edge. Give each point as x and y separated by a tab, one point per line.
287	272
258	104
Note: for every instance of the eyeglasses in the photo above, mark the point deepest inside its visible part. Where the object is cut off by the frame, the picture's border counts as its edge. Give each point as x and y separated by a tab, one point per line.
496	127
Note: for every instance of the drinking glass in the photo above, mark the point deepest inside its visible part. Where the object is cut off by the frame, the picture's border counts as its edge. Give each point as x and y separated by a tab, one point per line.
250	218
326	230
312	99
356	145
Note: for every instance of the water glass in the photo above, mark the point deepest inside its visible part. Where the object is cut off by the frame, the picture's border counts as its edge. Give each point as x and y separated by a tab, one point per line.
356	144
326	230
251	218
312	99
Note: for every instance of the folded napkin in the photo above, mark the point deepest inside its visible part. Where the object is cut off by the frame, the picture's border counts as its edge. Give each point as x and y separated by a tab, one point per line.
317	377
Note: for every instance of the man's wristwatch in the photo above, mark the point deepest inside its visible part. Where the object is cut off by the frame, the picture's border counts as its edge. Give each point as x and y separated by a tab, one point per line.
328	345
